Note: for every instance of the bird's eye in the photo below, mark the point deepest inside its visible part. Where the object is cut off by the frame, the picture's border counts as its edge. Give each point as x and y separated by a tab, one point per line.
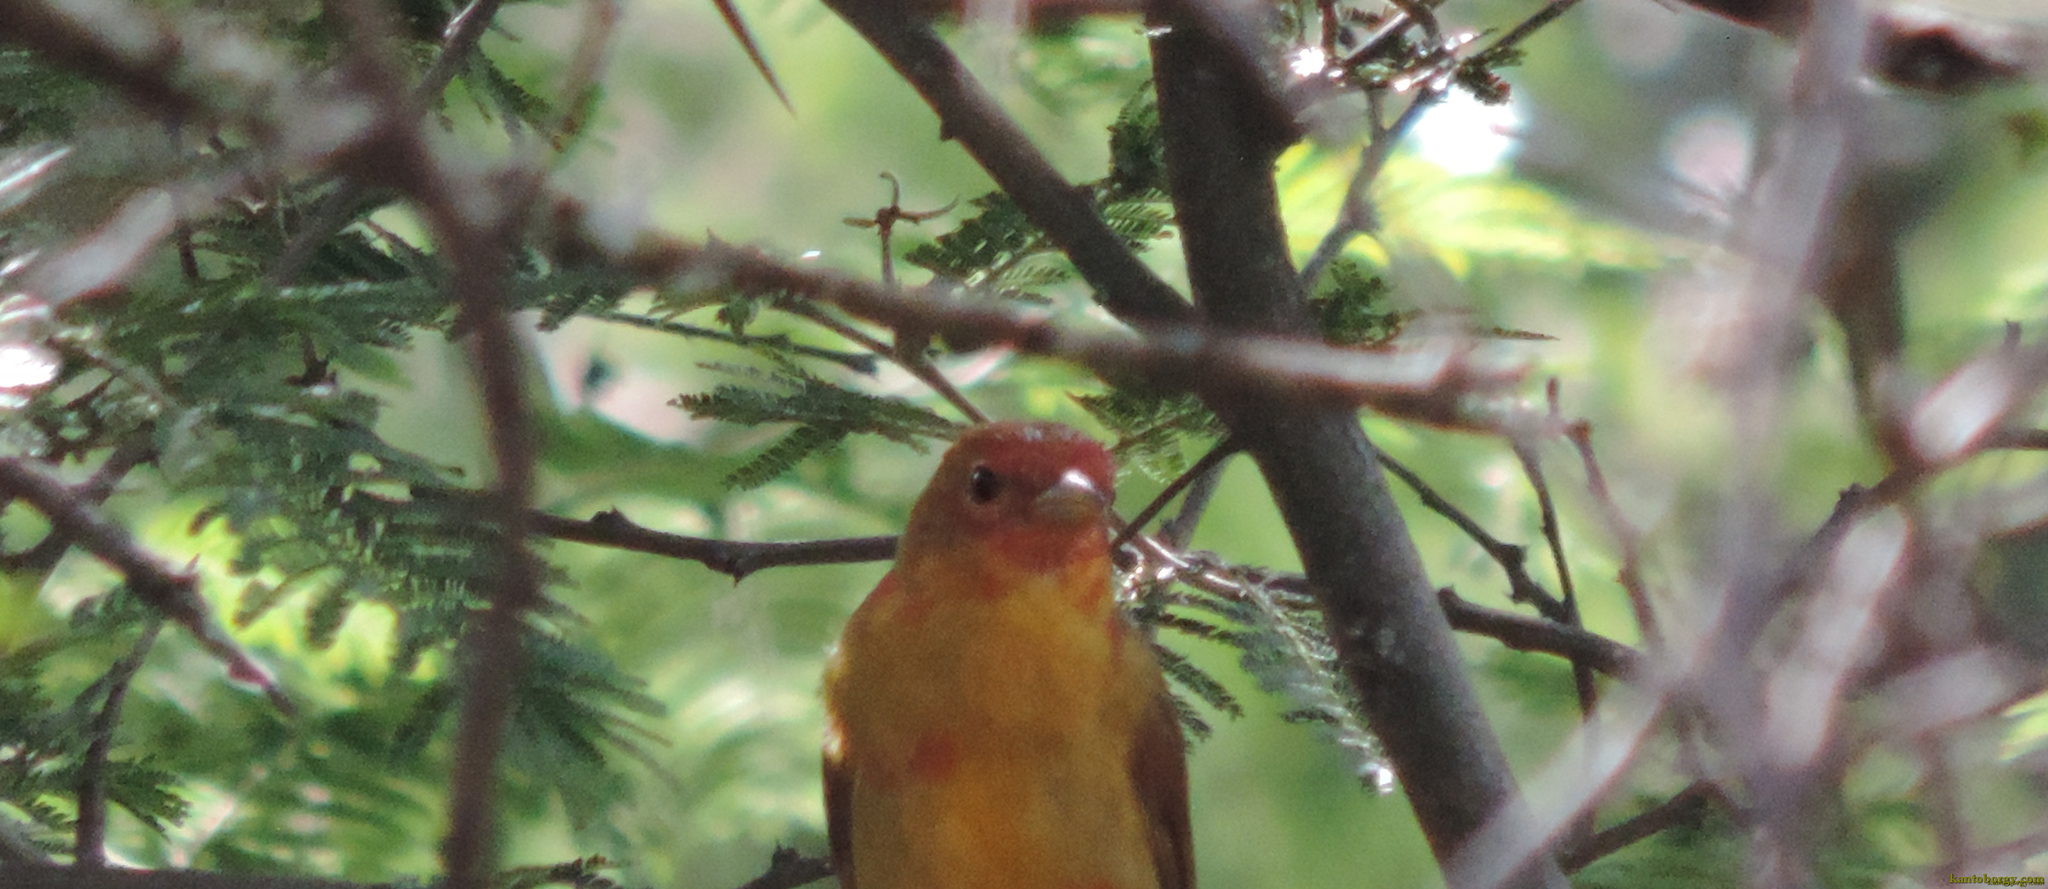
983	485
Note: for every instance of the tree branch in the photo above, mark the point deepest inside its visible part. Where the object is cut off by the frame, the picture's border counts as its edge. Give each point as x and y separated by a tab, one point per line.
460	38
184	72
852	361
736	559
1392	638
44	555
1625	537
474	223
969	114
1208	463
912	361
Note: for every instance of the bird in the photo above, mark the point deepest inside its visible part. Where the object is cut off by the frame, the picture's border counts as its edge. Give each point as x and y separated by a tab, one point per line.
993	719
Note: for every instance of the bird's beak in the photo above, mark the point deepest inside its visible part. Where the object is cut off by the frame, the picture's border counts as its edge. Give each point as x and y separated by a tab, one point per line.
1074	498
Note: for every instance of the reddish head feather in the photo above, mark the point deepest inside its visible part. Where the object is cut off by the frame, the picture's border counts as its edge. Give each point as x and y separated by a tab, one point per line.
1036	493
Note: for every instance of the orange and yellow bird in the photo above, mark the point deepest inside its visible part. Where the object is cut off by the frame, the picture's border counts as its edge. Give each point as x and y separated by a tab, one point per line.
994	723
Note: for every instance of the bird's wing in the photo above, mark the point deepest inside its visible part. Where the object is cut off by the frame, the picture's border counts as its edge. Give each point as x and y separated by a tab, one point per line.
1159	771
839	815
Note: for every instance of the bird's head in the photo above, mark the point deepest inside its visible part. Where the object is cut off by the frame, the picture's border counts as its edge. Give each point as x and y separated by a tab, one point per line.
1037	494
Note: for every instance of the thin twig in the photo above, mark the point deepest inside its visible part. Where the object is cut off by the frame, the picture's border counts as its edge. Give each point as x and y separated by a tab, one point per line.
1528	26
733	558
1580	434
1536	634
1584	684
1177	531
1208	462
1357	217
885	219
90	848
459	38
580	77
1511	557
850	360
1553	536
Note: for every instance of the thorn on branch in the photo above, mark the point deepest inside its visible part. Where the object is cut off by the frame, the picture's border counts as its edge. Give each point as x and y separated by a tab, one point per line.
738	26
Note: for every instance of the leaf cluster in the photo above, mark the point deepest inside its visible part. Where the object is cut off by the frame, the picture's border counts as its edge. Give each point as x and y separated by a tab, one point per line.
238	377
826	414
43	745
1350	306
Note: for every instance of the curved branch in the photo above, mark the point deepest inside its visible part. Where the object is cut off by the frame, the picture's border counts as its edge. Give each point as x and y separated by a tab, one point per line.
1512	557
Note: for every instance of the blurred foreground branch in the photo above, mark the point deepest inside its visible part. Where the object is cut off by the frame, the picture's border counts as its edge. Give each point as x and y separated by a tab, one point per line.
1444	382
